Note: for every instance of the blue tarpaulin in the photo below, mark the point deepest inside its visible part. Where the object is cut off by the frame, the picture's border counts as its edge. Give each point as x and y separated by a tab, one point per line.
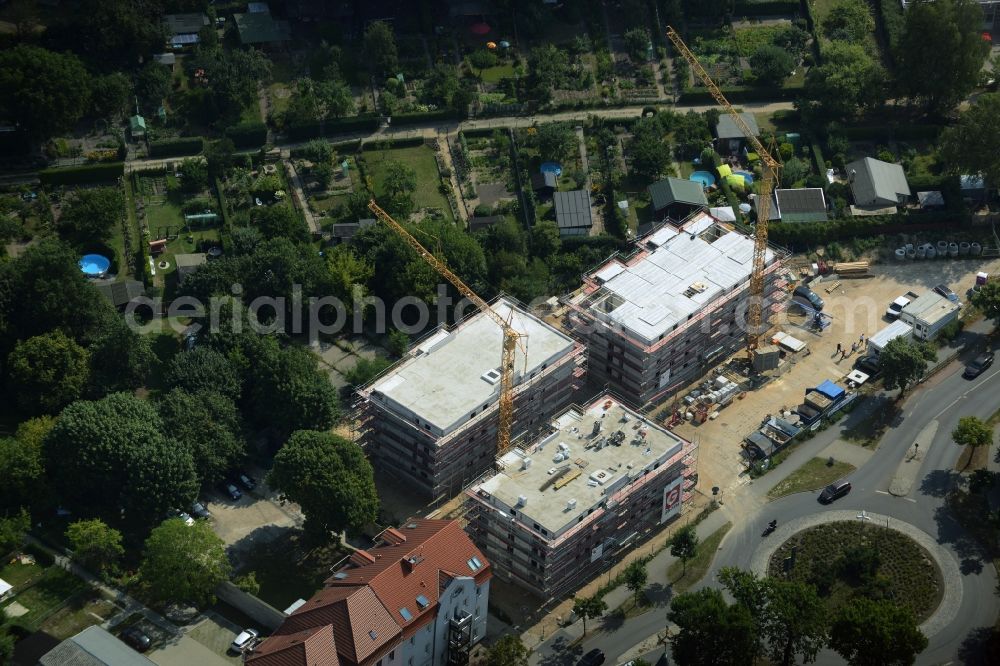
831	390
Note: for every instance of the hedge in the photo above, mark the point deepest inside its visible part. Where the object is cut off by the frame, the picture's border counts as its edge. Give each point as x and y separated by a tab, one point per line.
87	173
891	25
376	144
247	135
817	155
896	132
741	94
426	117
799	236
767	8
341	126
188	145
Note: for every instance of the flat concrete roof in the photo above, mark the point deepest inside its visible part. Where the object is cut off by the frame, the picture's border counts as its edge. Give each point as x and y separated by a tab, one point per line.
684	271
595	469
441	383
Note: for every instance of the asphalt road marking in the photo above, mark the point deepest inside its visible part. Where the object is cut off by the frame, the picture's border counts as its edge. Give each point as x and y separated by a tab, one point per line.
908	499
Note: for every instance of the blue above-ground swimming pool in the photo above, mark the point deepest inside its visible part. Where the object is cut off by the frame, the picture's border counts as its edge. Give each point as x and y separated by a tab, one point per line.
551	167
94	265
704	177
747	176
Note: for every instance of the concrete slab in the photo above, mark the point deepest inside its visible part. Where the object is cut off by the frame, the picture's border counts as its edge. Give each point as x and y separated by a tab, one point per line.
332	354
337	379
15	610
185	651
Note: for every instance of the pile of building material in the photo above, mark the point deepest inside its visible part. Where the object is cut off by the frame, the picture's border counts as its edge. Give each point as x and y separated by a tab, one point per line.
852	269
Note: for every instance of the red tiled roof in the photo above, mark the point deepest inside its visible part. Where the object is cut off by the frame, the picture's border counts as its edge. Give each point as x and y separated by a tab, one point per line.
310	647
355	613
403	571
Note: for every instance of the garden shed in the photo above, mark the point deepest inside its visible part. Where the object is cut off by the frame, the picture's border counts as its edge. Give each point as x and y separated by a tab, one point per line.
573	214
875	183
676	198
731	138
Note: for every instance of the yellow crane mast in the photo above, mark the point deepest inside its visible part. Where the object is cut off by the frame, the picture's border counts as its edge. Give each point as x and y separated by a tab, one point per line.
511	338
771	169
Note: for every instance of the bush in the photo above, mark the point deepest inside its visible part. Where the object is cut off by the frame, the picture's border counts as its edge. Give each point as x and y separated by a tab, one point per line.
247	135
191	145
341	126
90	173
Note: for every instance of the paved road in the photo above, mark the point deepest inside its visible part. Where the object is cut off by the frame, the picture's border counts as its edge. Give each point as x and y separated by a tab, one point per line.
942	399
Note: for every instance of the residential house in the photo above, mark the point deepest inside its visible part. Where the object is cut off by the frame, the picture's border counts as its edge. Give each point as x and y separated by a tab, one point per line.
675	199
93	646
877	184
729	135
573	214
417	598
182	29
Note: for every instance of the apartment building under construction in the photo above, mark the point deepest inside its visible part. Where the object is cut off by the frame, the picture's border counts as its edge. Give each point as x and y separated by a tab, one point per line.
658	319
431	420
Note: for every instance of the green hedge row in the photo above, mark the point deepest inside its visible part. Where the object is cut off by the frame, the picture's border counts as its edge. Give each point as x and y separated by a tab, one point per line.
898	132
247	135
891	13
87	173
741	94
767	8
426	117
188	145
409	142
341	126
799	236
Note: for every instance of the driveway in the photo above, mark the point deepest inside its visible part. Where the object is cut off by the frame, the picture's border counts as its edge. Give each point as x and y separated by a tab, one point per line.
254	518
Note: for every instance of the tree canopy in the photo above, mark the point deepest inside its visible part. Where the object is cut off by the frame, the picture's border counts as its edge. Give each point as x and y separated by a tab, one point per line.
903	362
971	145
987	299
47	372
209	425
847	82
972	432
771	65
330	478
555	141
684	544
876	633
22	464
203	369
95	545
942	75
508	650
588	608
710	631
849	21
92	214
184	563
380	48
44	92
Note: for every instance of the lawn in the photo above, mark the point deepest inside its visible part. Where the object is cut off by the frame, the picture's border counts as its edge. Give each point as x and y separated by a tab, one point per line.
421	160
78	615
697	566
849	559
815	474
495	74
51	590
748	40
18	574
820	9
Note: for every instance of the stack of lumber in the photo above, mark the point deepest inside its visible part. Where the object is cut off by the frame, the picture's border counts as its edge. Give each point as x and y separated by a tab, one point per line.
851	269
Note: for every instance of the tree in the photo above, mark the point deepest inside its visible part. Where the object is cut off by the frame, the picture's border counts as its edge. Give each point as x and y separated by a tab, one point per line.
635	578
399	185
749	591
203	369
184	563
637	44
771	65
47	372
556	141
112	455
109	95
336	99
941	76
684	544
219	155
380	49
849	21
120	359
152	85
972	432
13	528
482	59
45	93
545	240
22	464
330	478
95	545
794	170
318	150
323	173
442	88
650	155
280	222
233	76
870	633
902	363
847	82
710	631
209	425
987	299
971	144
110	34
91	214
287	392
397	342
194	174
509	650
795	622
588	607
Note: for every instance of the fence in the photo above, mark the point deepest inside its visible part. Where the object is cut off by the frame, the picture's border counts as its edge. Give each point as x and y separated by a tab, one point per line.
258	610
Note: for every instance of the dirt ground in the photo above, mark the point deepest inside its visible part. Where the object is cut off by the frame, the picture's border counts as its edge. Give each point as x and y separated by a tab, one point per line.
857	307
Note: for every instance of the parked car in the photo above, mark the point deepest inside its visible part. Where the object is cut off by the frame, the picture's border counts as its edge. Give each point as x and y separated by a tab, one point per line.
593	658
246	480
978	365
232	491
803	295
199	510
896	307
245	639
186	517
870	366
945	290
834	491
137	639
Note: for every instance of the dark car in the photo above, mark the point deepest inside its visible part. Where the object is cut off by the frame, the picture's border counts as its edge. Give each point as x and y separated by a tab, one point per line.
246	480
945	290
835	491
978	365
199	511
231	491
593	658
807	297
137	639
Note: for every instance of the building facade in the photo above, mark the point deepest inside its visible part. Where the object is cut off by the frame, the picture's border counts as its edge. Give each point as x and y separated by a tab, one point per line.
569	505
418	598
431	420
660	318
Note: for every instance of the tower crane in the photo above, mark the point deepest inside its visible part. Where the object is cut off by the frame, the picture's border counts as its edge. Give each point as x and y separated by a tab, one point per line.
512	339
771	170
